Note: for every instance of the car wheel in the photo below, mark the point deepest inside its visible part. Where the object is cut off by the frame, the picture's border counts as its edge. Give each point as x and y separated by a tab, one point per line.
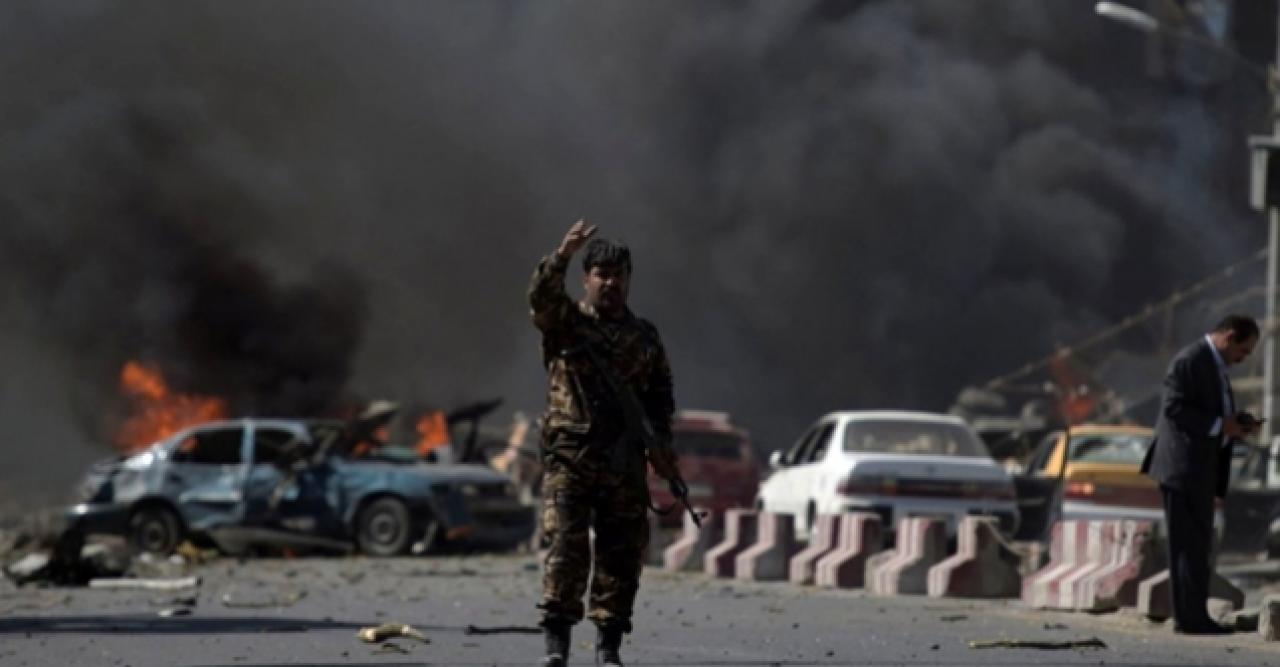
155	529
384	528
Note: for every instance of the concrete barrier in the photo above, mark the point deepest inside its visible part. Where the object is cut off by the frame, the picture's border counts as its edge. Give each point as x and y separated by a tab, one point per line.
1068	553
1138	554
982	567
1153	594
1269	618
824	539
739	533
769	558
922	543
861	536
687	552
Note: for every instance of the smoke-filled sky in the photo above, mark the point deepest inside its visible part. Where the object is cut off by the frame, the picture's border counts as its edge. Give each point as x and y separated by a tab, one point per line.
830	204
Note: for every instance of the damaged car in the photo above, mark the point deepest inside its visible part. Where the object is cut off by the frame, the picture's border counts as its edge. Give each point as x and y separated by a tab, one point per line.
296	484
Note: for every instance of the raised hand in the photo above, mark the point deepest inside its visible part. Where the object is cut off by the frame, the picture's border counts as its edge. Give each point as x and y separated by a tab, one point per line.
575	238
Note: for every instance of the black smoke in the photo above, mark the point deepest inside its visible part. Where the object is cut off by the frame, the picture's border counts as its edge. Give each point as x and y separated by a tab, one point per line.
830	204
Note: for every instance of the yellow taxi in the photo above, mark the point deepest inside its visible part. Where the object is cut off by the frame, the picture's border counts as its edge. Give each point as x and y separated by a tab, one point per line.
1100	472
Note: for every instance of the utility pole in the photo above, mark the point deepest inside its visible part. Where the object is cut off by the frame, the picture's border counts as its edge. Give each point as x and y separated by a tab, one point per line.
1265	196
1273	259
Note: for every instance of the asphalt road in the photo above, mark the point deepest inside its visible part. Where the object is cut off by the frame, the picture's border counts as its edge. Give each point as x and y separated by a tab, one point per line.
307	612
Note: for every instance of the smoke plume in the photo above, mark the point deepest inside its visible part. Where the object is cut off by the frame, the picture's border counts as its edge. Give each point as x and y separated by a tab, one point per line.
830	204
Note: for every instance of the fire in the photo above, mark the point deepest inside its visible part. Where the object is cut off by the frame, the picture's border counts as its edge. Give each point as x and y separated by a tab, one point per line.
433	432
158	412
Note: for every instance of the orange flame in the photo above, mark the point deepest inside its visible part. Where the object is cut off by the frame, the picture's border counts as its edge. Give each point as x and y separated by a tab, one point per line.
158	412
433	430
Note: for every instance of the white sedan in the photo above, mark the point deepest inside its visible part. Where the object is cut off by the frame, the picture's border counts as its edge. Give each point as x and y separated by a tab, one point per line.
896	464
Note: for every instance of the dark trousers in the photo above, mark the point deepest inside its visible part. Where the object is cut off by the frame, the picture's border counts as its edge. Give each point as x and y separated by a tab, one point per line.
1189	518
577	499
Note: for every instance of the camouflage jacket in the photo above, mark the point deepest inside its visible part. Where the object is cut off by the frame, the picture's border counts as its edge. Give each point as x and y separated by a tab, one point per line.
577	397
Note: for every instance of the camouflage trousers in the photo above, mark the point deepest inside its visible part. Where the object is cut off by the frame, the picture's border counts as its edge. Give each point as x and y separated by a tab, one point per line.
578	498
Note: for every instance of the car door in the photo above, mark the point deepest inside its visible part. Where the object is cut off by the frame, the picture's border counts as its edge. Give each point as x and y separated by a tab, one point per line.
779	494
205	476
1036	488
807	476
1250	506
282	489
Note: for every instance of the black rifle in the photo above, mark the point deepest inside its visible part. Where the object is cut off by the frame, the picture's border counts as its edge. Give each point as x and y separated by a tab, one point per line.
637	424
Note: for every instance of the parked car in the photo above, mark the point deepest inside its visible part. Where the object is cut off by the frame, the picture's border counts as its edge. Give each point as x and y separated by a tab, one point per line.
896	464
1102	479
1252	509
717	461
280	479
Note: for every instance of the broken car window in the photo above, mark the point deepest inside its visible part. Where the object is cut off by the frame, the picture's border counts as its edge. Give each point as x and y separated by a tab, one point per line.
1111	448
215	447
270	445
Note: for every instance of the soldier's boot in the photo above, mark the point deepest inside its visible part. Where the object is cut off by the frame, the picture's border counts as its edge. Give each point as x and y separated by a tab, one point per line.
608	641
557	638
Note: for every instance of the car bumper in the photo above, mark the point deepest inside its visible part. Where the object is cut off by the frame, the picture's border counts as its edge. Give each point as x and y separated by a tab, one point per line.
953	513
103	518
1085	511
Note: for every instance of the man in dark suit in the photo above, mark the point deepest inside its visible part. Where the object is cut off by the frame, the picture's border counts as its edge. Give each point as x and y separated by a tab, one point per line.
1191	459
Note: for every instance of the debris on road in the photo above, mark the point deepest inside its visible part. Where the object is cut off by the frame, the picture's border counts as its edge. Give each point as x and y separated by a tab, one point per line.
196	555
235	600
503	630
67	561
184	601
28	567
151	566
373	635
126	583
1047	645
953	618
1056	626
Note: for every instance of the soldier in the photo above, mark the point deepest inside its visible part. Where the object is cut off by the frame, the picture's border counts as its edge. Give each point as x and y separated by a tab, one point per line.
594	467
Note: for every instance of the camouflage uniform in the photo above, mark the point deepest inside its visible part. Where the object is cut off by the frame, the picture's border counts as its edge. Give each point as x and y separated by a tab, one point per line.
595	475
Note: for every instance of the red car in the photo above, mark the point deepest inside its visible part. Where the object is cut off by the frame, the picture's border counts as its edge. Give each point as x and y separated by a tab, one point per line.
717	461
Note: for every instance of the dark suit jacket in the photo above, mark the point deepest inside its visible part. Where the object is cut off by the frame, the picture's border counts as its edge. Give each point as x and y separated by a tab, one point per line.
1183	455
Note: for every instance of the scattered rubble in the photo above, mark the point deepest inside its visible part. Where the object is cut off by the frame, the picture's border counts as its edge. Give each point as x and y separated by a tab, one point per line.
503	630
373	635
126	583
1048	645
236	600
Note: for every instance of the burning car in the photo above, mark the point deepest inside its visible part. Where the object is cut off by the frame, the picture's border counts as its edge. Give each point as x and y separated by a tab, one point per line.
295	482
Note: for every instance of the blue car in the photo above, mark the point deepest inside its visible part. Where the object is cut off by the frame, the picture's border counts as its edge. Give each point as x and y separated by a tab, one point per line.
296	483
